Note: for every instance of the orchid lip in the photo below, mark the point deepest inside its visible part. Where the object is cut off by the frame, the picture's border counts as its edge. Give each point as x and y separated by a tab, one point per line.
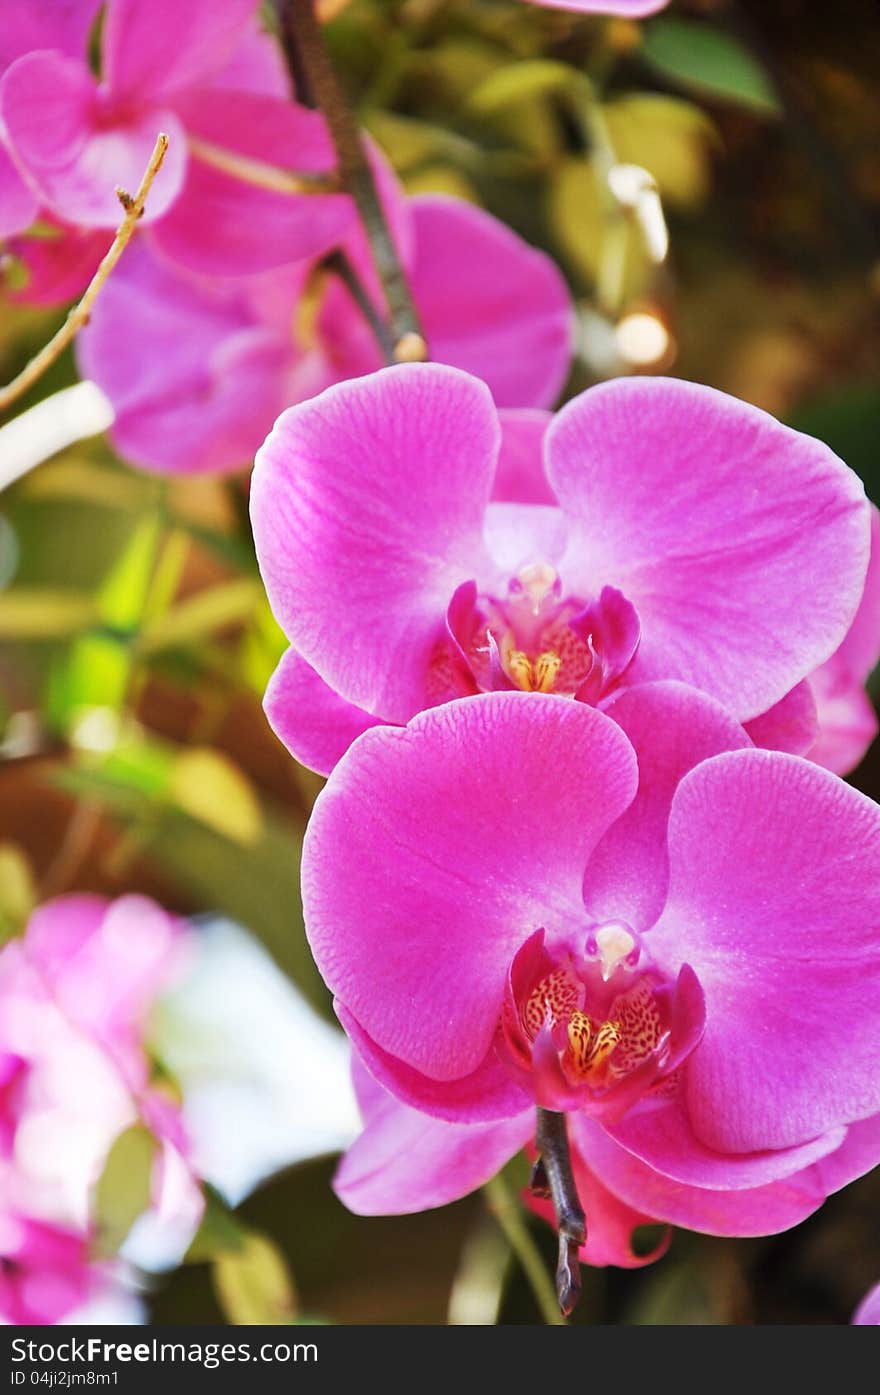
594	1031
536	638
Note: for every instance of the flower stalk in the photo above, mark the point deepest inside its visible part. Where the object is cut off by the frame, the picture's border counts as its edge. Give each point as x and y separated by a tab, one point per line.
316	80
553	1177
79	315
505	1208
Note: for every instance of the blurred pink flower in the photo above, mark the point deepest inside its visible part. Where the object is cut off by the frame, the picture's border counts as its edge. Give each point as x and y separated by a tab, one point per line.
867	1314
692	537
214	362
628	9
60	264
200	72
45	1271
26	25
75	993
620	916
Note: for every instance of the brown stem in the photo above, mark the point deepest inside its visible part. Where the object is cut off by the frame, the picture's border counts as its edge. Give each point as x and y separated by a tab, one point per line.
340	265
133	208
553	1173
316	81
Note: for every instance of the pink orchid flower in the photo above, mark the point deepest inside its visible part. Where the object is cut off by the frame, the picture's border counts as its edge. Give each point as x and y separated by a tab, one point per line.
74	997
406	1161
26	25
867	1314
214	363
621	918
684	535
627	9
206	76
846	720
45	1271
828	716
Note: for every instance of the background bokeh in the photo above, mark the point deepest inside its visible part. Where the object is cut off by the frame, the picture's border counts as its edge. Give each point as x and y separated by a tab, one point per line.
135	639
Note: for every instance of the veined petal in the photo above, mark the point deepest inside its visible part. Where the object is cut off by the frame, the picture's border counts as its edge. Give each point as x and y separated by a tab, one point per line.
520	477
662	1137
671	728
316	725
18	202
742	544
774	899
156	54
846	720
367	506
790	724
860	650
76	150
222	225
33	24
487	1094
490	303
858	1153
405	1161
763	1210
436	850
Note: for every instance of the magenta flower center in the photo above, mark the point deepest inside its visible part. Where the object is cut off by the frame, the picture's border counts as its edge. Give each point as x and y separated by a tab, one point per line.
535	639
595	1030
539	649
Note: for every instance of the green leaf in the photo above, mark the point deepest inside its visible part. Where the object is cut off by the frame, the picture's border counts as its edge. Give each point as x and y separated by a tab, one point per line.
218	1233
90	483
231	603
584	219
139	765
206	785
18	894
93	673
709	61
123	592
667	136
262	645
96	670
122	1192
410	143
453	68
521	82
577	215
44	613
253	1284
442	179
